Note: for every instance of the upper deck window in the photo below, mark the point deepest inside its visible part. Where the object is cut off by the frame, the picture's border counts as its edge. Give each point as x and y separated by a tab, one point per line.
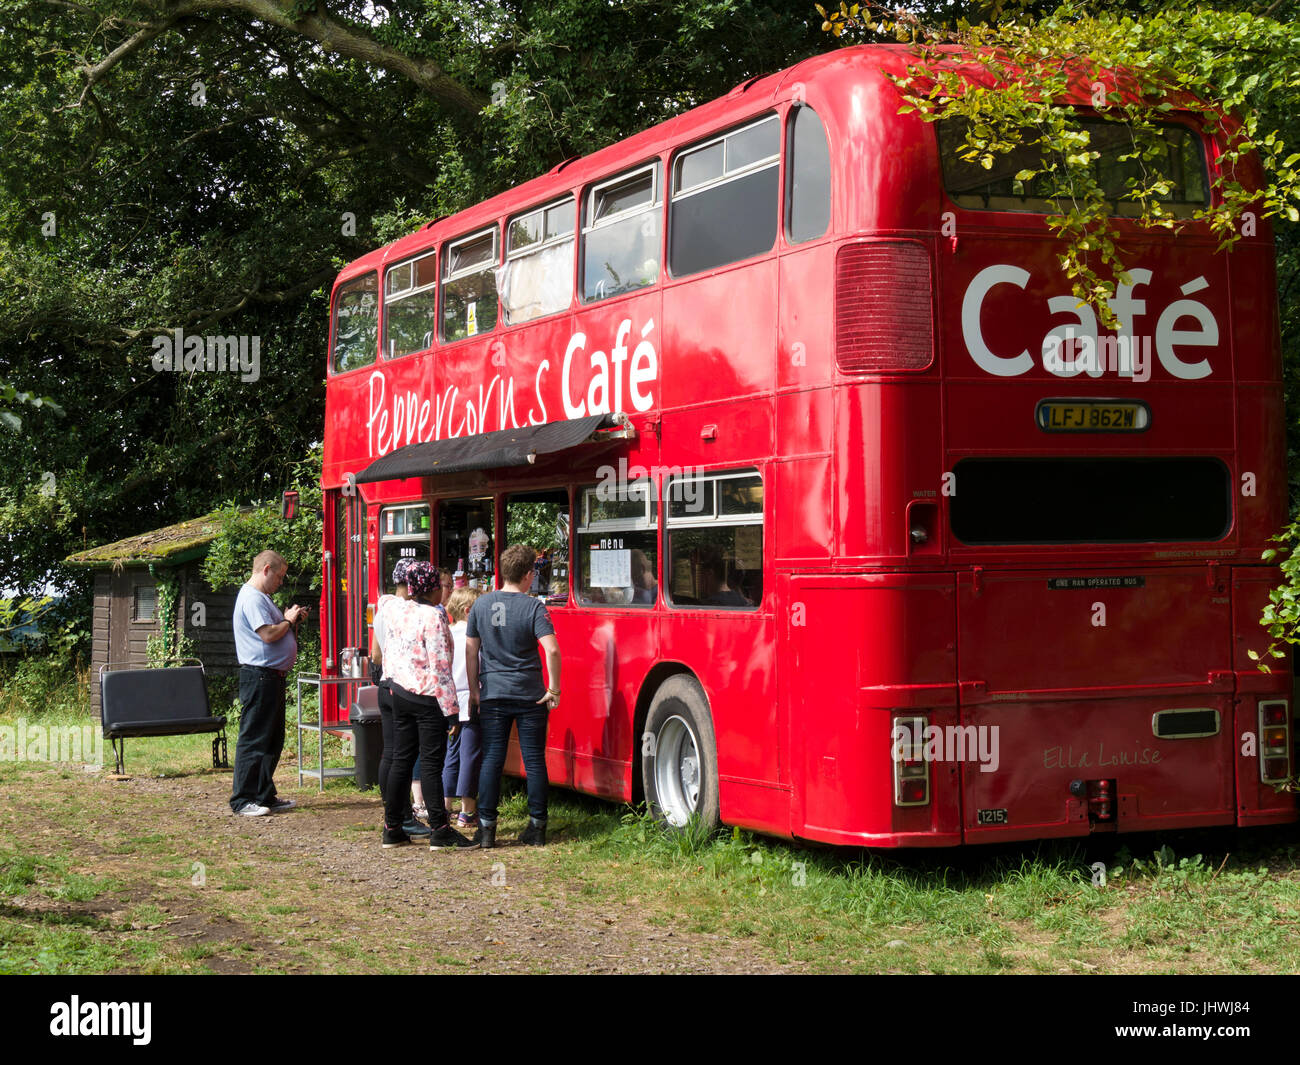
1126	158
410	305
724	202
356	323
808	177
538	277
469	286
621	237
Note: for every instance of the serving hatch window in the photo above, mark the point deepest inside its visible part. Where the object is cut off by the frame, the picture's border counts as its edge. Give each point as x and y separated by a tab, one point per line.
410	306
404	532
724	202
618	545
1125	158
469	286
715	540
621	234
538	275
356	323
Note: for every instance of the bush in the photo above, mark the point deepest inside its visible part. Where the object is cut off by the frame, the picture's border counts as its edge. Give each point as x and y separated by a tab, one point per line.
44	684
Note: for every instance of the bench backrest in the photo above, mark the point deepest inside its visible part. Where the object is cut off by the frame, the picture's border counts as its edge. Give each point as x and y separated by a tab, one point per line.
178	694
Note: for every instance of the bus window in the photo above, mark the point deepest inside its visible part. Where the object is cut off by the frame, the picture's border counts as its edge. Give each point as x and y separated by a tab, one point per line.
469	286
1085	500
538	278
403	533
808	177
466	541
410	305
724	199
618	545
715	540
621	237
356	323
1124	157
541	520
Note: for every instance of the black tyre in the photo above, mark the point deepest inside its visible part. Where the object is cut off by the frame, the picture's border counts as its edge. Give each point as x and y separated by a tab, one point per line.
679	756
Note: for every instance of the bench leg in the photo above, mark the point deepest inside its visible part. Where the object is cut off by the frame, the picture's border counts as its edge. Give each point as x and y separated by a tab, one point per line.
119	756
219	743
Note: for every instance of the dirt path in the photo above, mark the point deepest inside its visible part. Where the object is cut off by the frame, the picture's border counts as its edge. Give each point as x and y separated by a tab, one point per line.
312	890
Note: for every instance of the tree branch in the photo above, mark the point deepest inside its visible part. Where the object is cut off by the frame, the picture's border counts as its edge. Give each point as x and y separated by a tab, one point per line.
333	36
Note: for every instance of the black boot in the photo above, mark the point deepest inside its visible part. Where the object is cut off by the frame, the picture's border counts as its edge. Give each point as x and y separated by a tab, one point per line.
486	837
534	835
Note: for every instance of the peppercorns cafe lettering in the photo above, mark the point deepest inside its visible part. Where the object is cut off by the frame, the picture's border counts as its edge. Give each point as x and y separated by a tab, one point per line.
1074	347
617	382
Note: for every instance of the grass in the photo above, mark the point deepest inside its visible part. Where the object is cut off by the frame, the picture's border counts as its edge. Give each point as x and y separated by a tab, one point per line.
100	878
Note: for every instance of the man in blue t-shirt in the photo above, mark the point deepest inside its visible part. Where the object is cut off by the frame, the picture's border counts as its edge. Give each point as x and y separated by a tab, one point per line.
505	628
266	642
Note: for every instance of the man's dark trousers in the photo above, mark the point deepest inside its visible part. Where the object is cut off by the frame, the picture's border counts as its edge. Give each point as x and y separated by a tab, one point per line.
261	736
495	718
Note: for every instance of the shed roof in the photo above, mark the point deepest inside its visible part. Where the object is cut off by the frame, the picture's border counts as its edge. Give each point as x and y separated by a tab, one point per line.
170	546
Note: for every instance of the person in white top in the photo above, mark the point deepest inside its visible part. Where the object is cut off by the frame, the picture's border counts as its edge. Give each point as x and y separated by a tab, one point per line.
465	750
378	637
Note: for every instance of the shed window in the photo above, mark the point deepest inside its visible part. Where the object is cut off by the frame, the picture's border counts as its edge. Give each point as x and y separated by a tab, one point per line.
146	603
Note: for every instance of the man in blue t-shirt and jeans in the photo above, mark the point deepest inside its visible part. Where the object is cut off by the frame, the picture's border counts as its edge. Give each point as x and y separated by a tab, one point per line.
506	686
266	642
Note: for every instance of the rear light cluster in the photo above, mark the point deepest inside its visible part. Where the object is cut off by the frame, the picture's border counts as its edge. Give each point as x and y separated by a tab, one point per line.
911	770
884	317
1274	741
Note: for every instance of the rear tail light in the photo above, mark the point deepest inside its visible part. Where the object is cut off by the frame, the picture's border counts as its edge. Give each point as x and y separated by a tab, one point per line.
884	315
911	770
1274	741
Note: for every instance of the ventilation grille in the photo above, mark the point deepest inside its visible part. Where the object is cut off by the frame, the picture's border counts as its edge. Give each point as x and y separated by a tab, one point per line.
883	316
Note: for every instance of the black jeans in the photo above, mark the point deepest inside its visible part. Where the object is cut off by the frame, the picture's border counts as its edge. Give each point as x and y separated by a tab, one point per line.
261	736
496	717
423	729
389	727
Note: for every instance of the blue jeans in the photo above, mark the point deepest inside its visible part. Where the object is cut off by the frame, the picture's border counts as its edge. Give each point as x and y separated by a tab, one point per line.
464	756
261	736
496	717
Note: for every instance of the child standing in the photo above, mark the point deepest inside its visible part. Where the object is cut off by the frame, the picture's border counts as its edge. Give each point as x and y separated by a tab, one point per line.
465	750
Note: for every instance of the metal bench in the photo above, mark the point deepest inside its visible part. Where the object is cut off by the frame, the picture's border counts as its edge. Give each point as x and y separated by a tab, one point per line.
158	702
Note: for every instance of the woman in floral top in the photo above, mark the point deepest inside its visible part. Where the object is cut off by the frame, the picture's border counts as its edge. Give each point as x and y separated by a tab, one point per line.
417	658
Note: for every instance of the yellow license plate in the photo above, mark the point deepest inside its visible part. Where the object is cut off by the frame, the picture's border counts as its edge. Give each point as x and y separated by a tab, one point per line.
1092	416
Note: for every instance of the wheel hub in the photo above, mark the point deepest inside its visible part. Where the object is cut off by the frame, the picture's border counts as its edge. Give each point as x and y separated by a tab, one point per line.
677	771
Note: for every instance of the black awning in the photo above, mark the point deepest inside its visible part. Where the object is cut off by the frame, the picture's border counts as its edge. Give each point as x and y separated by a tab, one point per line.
485	451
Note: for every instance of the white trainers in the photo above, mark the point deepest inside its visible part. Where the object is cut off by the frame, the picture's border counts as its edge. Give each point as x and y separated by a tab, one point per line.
280	805
251	809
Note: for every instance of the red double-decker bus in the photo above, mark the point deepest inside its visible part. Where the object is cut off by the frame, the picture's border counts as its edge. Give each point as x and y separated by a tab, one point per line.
853	525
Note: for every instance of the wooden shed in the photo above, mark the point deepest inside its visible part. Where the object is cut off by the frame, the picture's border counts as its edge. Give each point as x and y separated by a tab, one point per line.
133	580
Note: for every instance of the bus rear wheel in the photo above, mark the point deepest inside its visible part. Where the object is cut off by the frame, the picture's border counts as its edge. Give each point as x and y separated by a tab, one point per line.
679	756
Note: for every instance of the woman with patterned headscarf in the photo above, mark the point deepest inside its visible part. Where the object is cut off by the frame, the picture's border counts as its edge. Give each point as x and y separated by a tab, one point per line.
379	675
417	658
